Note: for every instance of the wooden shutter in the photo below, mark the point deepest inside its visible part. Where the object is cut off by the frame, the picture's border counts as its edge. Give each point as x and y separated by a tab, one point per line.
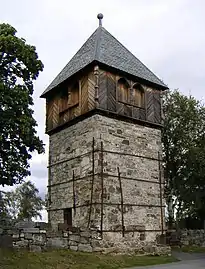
111	91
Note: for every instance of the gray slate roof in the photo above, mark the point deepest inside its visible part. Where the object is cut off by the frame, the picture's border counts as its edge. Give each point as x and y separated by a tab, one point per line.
101	46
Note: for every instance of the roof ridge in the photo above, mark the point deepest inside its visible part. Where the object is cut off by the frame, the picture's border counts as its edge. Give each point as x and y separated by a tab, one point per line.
98	39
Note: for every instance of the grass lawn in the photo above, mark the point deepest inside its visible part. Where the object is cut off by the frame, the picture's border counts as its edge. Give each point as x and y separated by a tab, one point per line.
66	259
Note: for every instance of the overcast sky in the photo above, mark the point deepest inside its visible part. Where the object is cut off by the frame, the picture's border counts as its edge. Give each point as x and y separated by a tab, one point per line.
166	35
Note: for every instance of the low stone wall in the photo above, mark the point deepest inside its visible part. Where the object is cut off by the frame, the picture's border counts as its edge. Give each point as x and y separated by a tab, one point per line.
186	237
86	240
192	237
38	240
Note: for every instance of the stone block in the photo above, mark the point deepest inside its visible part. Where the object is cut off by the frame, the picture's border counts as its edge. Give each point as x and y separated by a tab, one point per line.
51	233
129	235
15	236
28	236
85	248
74	237
42	231
73	243
42	225
97	249
84	229
25	224
35	248
22	244
86	234
74	248
31	230
110	250
163	250
84	240
149	249
96	243
39	239
94	234
57	242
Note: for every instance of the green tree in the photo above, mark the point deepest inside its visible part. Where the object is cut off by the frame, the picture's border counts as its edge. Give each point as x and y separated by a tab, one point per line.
19	67
5	218
25	202
184	155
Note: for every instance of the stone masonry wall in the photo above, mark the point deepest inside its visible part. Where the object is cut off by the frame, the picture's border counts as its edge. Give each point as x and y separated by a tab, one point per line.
130	147
186	237
84	240
35	237
192	237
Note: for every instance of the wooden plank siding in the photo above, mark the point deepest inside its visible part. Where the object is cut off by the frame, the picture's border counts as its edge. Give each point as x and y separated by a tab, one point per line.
111	91
102	90
91	91
157	107
108	98
84	94
60	110
52	113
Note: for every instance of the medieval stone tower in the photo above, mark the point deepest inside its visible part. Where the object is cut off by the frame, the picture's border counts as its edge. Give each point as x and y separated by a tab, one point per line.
103	118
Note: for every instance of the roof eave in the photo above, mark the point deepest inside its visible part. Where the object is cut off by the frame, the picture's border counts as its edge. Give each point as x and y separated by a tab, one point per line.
161	86
50	91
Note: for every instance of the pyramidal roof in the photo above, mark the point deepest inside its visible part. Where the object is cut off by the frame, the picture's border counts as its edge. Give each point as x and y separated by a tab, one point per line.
102	47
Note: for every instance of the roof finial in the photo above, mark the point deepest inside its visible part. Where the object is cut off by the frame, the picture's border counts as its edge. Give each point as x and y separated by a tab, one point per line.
100	17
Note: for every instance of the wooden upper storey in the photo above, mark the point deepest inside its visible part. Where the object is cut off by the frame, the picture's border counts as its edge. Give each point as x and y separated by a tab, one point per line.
100	90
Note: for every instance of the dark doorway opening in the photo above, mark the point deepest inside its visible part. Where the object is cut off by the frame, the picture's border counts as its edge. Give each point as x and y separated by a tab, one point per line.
68	216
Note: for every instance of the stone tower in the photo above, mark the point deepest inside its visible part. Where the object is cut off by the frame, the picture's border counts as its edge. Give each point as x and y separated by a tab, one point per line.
103	118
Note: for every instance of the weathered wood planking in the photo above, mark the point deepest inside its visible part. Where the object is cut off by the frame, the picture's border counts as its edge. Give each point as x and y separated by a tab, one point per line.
84	94
157	107
91	91
150	105
102	90
52	113
59	110
111	92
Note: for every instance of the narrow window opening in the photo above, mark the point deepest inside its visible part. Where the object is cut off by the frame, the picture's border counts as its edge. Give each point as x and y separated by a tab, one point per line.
123	90
68	216
138	96
70	97
73	95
